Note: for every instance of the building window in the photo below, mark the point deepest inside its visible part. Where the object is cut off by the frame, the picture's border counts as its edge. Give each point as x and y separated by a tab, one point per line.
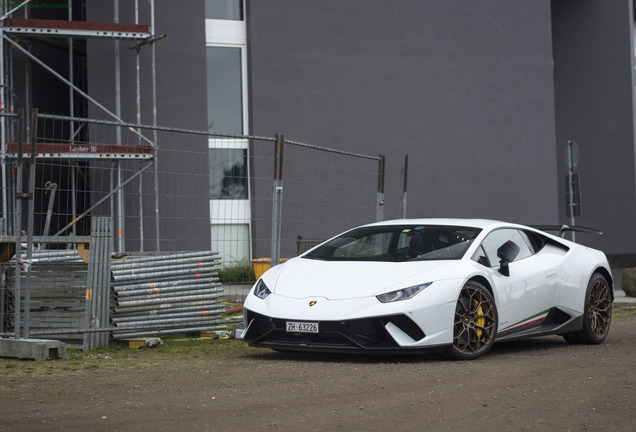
228	174
224	9
225	90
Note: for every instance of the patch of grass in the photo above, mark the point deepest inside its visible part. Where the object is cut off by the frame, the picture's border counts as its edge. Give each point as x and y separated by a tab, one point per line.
237	273
176	350
624	312
91	366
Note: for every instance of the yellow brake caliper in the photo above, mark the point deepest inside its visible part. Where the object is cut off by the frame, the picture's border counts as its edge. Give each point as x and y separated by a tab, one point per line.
481	322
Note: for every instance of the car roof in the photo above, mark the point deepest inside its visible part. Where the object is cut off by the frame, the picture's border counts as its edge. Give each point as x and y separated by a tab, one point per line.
473	223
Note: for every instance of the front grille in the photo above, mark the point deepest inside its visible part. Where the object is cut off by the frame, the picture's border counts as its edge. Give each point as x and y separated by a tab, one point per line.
362	334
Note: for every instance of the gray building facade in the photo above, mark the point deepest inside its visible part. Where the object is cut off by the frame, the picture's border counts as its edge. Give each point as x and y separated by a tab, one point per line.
482	96
594	105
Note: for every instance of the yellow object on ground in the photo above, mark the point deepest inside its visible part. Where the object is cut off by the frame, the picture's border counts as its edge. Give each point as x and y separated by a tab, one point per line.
261	265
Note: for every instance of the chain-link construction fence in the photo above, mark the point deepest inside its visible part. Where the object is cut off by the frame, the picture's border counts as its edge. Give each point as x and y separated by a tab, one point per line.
245	202
313	194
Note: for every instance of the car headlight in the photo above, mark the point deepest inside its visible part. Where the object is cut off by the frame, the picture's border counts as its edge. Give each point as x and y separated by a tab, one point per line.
402	294
260	290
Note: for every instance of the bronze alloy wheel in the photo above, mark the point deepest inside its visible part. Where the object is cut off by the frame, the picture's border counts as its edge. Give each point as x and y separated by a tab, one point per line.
599	308
475	324
598	313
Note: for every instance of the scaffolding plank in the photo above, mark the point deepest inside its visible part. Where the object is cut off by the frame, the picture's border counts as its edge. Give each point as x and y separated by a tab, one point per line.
43	27
80	151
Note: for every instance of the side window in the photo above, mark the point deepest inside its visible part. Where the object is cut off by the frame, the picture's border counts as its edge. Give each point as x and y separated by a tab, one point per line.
536	241
495	239
480	256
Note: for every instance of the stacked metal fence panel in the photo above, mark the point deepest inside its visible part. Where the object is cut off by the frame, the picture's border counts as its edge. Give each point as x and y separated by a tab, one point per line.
150	294
166	293
97	292
58	281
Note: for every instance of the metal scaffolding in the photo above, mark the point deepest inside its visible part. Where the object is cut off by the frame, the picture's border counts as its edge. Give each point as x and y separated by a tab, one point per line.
13	30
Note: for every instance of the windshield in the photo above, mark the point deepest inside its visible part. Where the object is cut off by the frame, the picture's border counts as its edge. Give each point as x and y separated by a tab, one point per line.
397	243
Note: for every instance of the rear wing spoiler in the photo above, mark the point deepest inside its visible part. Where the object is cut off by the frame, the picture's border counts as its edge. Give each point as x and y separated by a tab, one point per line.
562	229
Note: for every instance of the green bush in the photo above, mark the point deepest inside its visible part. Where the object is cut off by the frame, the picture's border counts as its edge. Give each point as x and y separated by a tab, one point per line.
237	273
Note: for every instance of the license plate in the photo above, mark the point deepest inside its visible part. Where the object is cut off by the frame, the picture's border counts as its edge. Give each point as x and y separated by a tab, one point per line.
302	327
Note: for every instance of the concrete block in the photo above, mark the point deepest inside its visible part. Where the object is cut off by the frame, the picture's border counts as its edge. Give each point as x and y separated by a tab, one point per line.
32	349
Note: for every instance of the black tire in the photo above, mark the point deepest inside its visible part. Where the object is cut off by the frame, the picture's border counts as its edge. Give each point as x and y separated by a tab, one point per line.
475	323
597	315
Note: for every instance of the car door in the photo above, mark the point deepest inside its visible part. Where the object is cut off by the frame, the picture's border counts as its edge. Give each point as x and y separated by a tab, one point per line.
525	296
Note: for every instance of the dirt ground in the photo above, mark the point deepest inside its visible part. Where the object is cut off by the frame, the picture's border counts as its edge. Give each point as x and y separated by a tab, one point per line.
541	384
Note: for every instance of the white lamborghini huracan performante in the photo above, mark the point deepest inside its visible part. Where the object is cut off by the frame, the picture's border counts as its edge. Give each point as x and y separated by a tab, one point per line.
456	285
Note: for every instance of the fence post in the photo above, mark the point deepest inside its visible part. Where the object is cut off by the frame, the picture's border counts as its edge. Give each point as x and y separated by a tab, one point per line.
98	283
405	174
3	281
17	224
277	200
30	196
379	209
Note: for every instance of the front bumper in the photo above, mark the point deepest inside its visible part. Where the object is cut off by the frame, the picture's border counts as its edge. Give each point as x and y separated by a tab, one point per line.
374	334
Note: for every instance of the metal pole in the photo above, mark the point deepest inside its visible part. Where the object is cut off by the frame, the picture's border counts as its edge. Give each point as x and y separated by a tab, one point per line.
72	112
121	244
28	89
5	16
154	123
112	200
30	222
52	189
74	170
70	73
17	223
106	280
277	200
89	298
379	209
97	224
571	203
3	137
18	259
138	100
405	175
3	288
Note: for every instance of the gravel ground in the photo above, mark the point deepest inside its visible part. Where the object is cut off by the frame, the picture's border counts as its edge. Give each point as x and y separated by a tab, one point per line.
538	384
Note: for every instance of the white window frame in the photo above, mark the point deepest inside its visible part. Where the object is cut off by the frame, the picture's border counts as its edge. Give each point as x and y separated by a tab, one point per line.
232	34
237	211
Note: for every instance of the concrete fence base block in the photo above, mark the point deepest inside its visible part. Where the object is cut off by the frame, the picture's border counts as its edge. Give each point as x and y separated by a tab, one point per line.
32	349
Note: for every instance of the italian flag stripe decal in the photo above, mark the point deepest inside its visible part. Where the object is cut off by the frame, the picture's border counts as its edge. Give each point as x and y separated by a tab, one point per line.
534	319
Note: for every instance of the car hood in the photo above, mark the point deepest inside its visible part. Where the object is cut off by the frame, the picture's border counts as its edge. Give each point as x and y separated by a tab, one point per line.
338	280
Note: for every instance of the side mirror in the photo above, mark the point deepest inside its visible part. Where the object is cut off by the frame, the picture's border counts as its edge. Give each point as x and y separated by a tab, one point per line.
507	253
